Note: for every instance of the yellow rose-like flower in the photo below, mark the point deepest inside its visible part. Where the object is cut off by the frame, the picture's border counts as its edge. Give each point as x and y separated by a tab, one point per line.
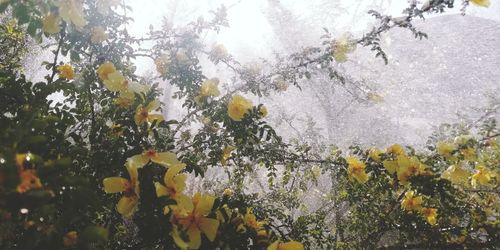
218	53
430	215
396	149
469	154
356	170
391	166
280	84
125	99
262	111
411	202
66	71
210	87
228	192
70	239
482	3
192	218
127	205
167	159
342	46
29	180
291	245
71	11
238	106
51	24
446	150
98	35
175	184
115	82
162	64
374	154
408	167
482	176
143	114
105	69
456	174
250	221
226	153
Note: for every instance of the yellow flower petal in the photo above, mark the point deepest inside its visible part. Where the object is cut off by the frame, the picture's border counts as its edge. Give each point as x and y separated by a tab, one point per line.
291	245
160	190
205	204
138	161
105	69
115	82
237	107
167	159
274	246
194	238
51	24
154	105
482	3
209	227
127	206
115	184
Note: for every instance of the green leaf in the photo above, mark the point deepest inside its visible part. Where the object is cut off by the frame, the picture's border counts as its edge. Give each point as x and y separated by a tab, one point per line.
21	13
4	5
95	234
32	29
75	57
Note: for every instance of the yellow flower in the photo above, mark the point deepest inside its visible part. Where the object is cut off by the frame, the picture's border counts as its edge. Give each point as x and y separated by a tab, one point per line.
98	35
210	87
396	149
341	47
429	214
291	245
29	179
70	239
250	221
127	205
192	218
391	166
482	3
218	53
456	174
280	84
411	202
51	24
374	154
162	63
356	170
226	153
115	82
408	167
71	11
105	69
262	111
228	192
125	99
238	106
167	159
469	154
446	150
143	114
482	176
66	71
374	97
175	184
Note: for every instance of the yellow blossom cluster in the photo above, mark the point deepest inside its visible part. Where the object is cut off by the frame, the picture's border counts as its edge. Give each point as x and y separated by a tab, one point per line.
114	81
413	203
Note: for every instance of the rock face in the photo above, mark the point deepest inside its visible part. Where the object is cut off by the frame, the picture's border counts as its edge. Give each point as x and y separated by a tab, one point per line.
425	84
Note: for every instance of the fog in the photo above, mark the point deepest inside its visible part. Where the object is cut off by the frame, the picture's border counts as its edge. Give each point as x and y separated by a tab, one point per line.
426	83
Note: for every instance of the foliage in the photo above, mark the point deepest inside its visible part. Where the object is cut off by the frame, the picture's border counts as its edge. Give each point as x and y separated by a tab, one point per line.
104	169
